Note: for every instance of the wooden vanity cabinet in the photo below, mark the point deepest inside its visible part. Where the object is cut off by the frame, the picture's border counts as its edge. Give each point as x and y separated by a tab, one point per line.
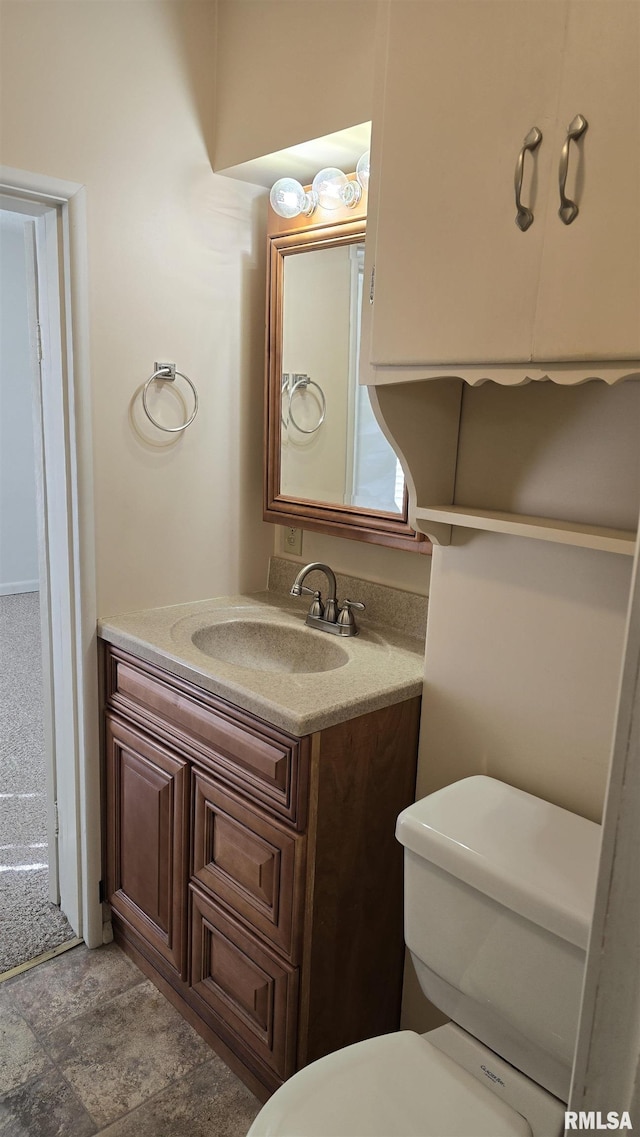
254	875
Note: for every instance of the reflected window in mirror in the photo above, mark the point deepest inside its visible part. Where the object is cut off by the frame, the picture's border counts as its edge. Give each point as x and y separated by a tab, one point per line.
329	467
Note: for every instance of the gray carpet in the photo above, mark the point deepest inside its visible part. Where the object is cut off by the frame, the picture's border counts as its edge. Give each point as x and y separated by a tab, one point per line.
29	923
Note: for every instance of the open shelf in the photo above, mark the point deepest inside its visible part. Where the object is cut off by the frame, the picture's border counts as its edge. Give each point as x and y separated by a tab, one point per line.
541	528
540	443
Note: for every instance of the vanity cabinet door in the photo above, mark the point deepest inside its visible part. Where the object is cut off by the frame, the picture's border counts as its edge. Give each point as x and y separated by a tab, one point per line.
147	802
455	278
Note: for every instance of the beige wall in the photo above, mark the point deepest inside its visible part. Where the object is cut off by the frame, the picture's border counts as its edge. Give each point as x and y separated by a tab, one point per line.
525	637
289	72
394	567
176	257
521	684
120	97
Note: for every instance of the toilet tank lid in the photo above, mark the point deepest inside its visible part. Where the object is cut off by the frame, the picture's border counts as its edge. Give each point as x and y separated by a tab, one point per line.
525	853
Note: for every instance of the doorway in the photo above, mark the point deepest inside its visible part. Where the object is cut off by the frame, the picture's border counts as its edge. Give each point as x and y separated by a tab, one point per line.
53	229
29	887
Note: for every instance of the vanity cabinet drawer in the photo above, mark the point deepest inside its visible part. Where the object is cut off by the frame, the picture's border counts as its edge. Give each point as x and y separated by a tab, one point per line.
250	863
246	992
261	761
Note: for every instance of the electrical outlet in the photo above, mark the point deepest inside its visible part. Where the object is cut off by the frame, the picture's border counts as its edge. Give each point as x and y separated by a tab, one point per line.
293	541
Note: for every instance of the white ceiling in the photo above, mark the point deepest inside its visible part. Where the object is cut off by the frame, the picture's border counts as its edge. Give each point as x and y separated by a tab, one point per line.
302	162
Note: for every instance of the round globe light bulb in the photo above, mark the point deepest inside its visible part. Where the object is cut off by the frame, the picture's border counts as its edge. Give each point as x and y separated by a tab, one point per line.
288	198
362	170
334	189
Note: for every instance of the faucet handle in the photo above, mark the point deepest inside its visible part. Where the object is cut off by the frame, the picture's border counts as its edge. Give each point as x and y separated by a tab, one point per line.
317	607
346	617
331	610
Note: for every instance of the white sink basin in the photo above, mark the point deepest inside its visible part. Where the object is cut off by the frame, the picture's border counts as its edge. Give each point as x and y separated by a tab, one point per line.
265	646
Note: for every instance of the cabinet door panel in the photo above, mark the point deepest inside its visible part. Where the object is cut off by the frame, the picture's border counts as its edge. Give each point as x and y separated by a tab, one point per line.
248	994
147	794
251	863
589	306
455	279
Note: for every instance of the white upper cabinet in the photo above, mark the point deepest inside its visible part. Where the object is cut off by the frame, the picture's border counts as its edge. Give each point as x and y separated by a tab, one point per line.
457	282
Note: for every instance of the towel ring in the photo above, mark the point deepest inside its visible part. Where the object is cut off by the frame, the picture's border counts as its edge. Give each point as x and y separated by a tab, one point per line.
168	372
303	382
284	390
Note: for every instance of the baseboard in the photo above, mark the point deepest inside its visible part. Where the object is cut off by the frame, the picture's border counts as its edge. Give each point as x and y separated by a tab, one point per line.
15	587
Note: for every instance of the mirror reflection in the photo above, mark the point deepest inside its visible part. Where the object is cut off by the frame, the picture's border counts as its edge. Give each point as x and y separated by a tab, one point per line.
332	449
328	466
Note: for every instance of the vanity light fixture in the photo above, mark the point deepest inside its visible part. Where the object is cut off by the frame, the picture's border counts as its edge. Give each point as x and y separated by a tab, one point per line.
362	170
334	189
331	188
288	198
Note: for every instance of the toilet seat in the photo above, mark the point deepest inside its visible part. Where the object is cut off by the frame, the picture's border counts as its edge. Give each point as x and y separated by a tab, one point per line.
398	1085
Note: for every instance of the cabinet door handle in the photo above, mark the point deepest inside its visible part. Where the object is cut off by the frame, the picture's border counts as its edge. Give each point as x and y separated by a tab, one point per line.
568	210
524	216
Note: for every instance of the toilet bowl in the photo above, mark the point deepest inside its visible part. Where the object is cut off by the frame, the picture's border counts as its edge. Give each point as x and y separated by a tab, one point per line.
404	1085
499	891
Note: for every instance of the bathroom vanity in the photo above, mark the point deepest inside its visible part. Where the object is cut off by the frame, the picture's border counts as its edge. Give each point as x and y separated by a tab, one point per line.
251	868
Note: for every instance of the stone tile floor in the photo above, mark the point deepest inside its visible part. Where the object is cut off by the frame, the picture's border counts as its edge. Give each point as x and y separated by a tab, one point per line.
88	1045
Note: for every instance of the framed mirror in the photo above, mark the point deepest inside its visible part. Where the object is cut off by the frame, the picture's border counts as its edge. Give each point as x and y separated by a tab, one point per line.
328	466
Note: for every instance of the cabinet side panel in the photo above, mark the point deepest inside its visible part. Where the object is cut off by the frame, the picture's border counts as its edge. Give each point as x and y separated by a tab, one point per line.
421	422
353	966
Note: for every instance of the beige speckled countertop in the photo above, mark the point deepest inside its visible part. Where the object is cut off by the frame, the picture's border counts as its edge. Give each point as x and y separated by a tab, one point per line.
376	668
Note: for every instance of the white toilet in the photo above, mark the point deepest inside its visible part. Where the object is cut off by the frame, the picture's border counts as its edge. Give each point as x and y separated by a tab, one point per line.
499	891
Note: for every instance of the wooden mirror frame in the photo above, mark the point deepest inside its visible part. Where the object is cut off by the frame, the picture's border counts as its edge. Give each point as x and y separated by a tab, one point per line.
321	230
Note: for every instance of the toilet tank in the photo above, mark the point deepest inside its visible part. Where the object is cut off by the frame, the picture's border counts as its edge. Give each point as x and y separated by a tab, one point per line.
499	894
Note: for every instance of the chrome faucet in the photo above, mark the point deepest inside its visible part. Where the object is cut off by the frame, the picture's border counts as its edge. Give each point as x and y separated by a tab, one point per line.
325	615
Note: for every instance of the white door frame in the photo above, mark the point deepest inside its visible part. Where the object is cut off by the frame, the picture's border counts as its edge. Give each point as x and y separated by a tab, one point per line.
606	1072
69	545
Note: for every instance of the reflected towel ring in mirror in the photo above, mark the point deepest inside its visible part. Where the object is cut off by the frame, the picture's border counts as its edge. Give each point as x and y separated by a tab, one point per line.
167	372
302	383
286	383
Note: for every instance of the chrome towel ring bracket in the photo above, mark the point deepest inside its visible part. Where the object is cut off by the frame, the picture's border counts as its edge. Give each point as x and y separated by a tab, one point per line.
167	371
302	383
